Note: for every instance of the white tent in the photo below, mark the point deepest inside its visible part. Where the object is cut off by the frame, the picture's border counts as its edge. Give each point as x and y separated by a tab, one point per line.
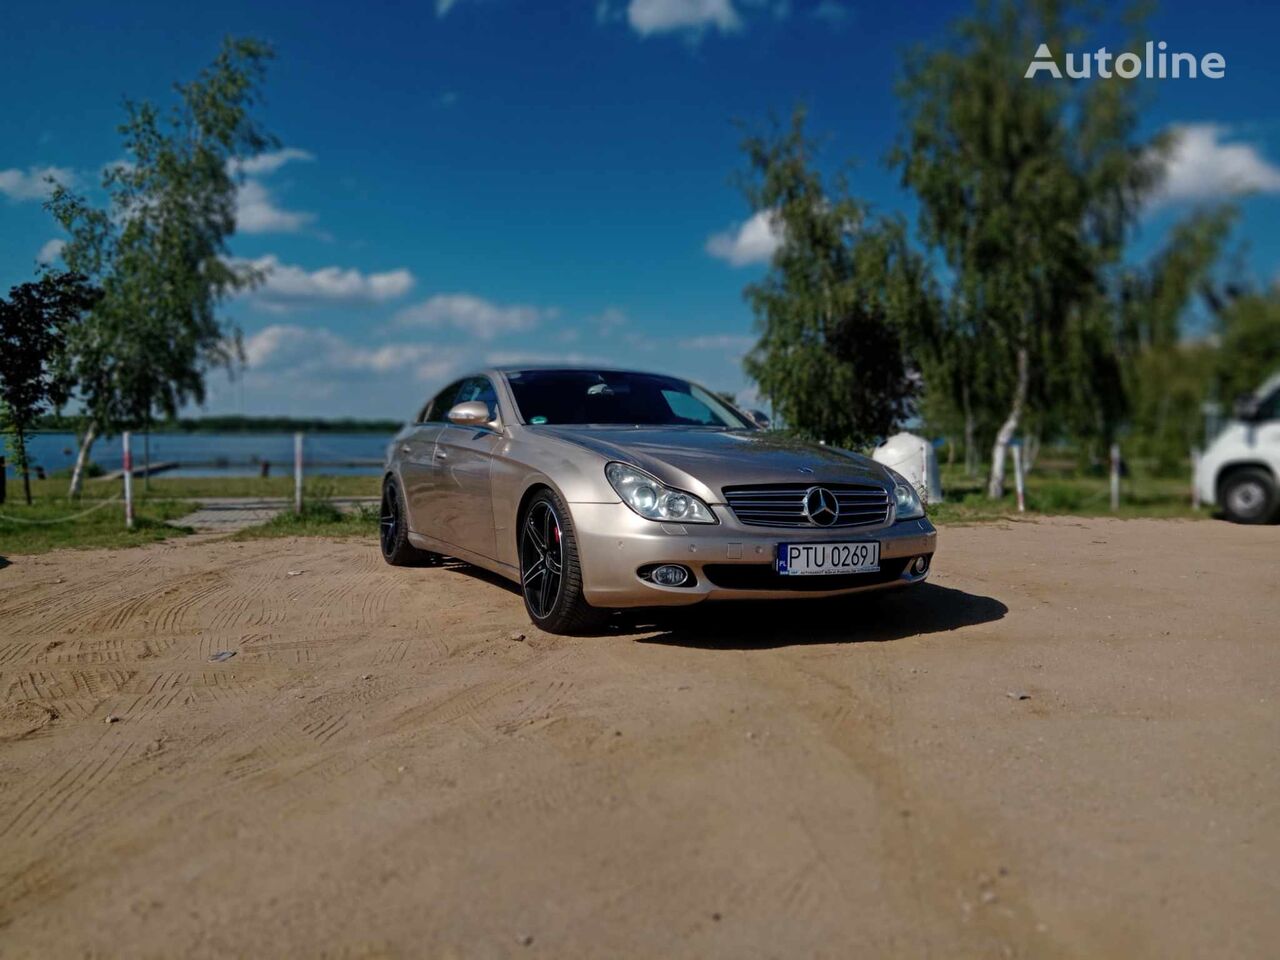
914	458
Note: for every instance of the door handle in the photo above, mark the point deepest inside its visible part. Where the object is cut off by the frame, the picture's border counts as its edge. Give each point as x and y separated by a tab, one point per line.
441	455
405	448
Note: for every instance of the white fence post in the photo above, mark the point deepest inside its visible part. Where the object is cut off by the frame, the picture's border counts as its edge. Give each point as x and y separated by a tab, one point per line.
128	482
924	471
1017	476
1115	477
297	473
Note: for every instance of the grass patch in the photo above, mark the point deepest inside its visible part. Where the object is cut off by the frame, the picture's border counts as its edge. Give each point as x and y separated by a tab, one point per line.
1060	493
53	523
318	519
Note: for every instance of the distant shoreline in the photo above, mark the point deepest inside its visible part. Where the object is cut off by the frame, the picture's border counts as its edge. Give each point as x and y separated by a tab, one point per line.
237	424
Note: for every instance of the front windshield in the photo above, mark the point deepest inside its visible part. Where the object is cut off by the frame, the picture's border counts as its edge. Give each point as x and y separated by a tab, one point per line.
613	397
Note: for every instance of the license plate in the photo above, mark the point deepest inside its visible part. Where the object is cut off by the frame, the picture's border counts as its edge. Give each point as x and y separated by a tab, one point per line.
809	559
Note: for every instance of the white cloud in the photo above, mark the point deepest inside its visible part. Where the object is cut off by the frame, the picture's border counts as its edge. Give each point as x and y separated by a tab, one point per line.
510	358
269	162
310	351
648	17
257	212
728	343
476	316
309	370
607	320
31	185
754	241
256	208
1202	166
286	284
51	250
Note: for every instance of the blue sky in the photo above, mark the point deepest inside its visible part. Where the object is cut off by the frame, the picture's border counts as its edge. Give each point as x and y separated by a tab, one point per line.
503	180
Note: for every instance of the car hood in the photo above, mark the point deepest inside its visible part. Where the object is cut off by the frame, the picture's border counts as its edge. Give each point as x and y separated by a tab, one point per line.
704	461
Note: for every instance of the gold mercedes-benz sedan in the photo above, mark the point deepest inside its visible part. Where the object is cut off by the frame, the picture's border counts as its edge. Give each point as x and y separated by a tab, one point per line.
595	489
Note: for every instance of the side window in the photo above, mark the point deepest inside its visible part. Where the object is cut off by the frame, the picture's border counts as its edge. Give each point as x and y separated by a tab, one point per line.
488	396
441	403
479	388
1269	409
470	390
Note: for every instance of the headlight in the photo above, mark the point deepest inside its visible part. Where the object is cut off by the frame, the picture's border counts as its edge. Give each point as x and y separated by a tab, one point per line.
653	500
906	500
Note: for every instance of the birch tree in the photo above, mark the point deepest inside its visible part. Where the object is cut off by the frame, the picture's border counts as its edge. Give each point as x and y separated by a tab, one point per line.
158	249
1027	190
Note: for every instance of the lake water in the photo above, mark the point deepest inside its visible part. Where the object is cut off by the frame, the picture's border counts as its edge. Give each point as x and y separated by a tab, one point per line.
218	454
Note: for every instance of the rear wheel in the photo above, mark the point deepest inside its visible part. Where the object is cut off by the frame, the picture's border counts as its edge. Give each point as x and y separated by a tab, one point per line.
550	572
1249	496
393	530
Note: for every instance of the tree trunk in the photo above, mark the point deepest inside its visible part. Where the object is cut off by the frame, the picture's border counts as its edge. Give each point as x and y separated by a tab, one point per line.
970	446
970	440
20	442
82	458
1000	449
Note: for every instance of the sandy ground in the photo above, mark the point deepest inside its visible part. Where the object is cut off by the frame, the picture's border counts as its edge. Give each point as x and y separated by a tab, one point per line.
1067	745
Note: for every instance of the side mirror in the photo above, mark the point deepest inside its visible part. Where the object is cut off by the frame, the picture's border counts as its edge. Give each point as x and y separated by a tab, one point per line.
760	419
1246	409
472	413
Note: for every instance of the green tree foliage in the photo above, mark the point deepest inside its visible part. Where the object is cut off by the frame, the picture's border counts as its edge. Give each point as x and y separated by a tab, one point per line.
1166	376
833	309
34	324
159	249
948	350
1027	189
1248	327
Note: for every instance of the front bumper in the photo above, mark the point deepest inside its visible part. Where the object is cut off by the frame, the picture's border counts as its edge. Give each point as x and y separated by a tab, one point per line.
730	560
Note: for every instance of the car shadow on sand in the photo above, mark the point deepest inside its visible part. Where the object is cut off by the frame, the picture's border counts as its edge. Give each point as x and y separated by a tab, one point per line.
866	618
763	624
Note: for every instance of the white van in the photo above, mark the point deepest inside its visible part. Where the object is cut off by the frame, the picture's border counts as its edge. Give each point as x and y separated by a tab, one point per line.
1240	472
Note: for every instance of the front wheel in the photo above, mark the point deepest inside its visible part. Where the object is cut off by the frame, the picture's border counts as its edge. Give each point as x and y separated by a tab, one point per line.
550	572
1249	496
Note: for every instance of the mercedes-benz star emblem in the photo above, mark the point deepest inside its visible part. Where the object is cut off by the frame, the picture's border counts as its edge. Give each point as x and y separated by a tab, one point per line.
821	506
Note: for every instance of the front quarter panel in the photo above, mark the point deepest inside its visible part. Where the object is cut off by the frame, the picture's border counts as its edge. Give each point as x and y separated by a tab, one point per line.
525	459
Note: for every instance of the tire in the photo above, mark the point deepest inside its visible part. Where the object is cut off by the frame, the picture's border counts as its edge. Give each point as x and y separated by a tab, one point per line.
1249	496
550	570
393	530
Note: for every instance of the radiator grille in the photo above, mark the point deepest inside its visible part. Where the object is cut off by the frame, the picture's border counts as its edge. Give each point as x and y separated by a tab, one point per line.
782	504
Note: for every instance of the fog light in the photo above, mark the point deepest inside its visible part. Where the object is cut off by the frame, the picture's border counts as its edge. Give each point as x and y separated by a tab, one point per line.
920	565
669	575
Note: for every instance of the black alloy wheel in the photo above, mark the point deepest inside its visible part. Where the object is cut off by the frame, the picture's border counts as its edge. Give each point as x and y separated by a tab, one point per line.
550	570
541	559
389	519
393	530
